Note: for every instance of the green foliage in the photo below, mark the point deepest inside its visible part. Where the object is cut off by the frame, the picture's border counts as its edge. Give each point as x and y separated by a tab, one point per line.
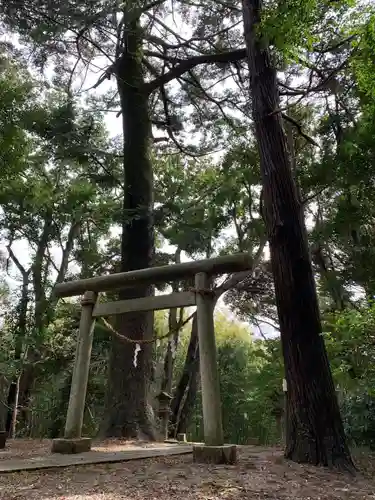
350	342
363	63
349	339
16	93
250	381
293	26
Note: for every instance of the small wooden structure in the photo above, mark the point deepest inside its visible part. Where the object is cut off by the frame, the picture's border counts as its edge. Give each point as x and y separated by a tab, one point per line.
201	296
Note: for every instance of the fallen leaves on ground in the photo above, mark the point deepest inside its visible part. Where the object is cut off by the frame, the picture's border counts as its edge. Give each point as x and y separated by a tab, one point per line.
260	474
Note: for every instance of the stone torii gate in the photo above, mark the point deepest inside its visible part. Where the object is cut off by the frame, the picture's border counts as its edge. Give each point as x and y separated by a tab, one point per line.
201	296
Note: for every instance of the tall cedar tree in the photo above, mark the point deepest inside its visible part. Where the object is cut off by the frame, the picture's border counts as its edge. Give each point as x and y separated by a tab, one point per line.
315	432
128	413
130	416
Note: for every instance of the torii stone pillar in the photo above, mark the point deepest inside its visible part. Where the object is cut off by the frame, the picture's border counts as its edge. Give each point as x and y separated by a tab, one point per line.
73	441
213	449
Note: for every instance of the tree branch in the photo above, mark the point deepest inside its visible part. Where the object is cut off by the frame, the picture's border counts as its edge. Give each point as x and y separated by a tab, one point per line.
236	278
300	131
336	46
183	67
72	234
18	264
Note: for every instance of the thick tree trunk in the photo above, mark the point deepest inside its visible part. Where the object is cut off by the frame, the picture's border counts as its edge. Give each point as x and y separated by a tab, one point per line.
128	413
184	396
315	430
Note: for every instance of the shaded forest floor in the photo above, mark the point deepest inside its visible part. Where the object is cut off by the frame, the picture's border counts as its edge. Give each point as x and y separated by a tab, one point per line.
262	473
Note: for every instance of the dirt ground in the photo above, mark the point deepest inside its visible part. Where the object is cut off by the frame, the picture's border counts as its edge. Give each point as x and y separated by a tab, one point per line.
260	474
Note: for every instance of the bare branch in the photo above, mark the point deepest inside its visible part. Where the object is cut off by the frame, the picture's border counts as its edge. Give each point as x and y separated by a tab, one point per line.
311	197
336	46
72	234
50	259
186	43
236	278
184	66
18	264
300	131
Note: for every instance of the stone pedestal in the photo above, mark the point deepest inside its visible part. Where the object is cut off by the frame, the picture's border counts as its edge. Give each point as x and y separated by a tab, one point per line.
226	454
71	446
181	437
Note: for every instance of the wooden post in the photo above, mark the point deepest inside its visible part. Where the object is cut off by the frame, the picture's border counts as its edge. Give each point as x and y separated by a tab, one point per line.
212	418
77	399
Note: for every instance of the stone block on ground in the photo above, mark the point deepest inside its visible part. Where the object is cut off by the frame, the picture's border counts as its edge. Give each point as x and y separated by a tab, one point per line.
3	438
225	454
181	437
71	446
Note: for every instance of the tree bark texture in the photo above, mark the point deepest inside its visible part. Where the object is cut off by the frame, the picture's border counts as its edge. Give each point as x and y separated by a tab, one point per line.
315	430
128	413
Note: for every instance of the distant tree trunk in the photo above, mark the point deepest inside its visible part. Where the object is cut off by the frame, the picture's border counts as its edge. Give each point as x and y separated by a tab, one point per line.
26	385
59	413
44	311
167	377
128	413
187	407
3	407
173	326
12	403
182	399
29	372
315	431
166	383
20	334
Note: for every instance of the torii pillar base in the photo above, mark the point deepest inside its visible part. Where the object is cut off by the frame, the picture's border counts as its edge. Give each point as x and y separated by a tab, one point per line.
71	446
225	454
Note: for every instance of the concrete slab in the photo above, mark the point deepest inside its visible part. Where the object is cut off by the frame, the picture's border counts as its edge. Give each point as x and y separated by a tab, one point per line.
91	457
